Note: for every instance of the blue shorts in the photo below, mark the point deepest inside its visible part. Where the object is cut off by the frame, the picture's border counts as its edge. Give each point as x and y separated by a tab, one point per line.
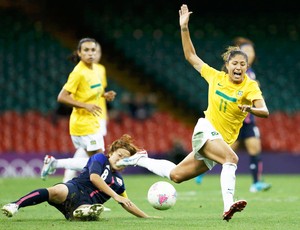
248	130
77	196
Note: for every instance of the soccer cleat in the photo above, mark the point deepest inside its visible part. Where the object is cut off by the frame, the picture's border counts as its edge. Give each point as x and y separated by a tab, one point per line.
133	160
88	212
237	206
48	167
199	179
10	209
260	186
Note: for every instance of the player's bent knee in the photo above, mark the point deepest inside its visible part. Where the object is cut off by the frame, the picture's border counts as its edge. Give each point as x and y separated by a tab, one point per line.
233	158
58	193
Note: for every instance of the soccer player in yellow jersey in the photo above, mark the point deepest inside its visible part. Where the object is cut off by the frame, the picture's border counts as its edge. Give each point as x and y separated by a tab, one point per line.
231	96
83	91
81	157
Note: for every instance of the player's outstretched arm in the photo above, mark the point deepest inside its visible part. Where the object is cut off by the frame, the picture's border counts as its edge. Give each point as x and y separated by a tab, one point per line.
258	109
187	45
102	186
134	210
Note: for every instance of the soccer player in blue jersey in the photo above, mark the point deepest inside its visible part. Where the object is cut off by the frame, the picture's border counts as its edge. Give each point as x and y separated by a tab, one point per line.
231	96
82	197
249	133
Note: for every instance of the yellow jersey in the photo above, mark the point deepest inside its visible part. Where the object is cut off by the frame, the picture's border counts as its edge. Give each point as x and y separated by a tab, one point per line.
85	85
223	100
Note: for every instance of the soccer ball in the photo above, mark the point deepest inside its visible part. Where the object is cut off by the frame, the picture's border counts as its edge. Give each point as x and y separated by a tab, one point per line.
162	195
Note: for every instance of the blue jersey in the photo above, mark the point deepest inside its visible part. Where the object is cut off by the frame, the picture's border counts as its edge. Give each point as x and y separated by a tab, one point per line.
81	189
100	165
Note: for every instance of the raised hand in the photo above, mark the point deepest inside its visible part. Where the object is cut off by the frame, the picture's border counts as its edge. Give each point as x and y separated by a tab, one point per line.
184	15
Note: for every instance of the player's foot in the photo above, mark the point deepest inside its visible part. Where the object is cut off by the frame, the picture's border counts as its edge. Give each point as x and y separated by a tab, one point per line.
10	209
260	186
88	212
48	167
237	206
133	160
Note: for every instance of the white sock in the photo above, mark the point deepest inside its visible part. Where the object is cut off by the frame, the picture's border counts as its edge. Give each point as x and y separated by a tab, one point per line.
159	167
69	174
80	153
72	163
228	184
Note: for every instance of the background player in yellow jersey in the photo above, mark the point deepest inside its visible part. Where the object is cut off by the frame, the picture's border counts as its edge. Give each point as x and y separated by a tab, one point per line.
77	163
231	96
83	91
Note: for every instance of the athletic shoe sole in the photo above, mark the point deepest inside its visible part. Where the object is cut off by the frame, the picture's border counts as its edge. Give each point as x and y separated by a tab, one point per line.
90	213
237	206
9	210
7	213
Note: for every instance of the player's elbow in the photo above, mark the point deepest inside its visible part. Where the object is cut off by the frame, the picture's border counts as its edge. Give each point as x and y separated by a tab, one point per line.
189	58
265	113
59	99
63	95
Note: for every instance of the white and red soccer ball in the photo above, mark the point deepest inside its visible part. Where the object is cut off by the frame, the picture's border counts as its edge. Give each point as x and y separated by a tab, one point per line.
162	195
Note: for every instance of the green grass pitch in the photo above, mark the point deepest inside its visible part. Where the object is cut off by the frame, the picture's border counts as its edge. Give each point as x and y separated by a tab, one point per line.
197	207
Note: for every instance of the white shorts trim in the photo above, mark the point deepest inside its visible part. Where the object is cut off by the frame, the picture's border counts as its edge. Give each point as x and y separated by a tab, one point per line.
204	131
90	142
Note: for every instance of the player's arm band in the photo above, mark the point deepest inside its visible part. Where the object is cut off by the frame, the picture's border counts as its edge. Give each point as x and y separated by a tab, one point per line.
124	194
